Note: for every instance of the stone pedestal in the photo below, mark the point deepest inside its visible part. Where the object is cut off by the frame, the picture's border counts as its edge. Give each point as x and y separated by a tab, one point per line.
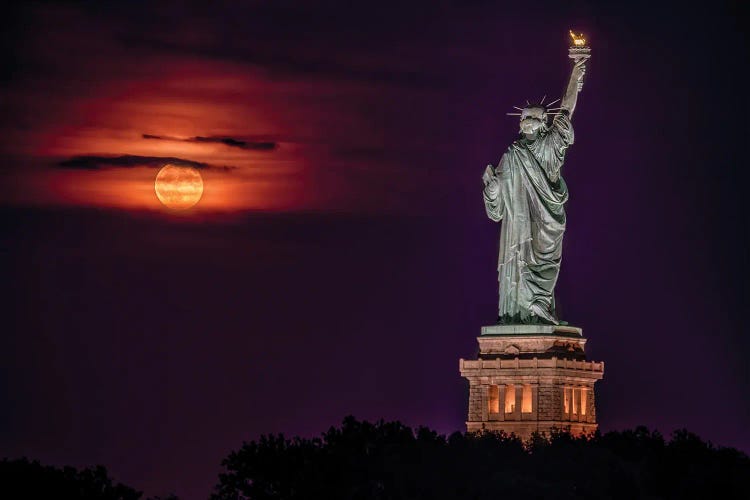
531	378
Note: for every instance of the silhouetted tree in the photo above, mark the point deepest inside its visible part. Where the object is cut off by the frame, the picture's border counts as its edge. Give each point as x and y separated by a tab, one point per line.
388	460
22	479
33	480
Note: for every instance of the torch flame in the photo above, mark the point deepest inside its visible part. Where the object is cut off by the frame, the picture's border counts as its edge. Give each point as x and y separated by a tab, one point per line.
578	40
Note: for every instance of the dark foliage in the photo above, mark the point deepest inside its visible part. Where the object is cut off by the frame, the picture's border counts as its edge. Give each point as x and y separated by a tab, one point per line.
32	480
388	460
25	480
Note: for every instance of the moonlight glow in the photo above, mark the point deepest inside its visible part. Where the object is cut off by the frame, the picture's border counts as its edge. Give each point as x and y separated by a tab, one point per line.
178	187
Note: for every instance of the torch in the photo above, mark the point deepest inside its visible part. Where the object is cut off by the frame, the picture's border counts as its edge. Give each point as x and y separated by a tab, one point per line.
579	50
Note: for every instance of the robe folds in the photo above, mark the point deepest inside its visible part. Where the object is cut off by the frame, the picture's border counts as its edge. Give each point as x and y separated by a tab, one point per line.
531	205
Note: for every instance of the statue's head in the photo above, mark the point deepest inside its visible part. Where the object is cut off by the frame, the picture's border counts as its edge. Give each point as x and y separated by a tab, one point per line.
533	118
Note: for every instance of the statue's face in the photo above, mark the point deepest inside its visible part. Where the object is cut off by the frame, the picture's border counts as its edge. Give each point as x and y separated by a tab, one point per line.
532	120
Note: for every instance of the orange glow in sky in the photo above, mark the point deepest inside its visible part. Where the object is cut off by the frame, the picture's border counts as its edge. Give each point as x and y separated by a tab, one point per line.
186	105
98	130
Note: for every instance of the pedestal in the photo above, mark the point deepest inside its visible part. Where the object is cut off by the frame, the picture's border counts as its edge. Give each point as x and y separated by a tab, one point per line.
531	378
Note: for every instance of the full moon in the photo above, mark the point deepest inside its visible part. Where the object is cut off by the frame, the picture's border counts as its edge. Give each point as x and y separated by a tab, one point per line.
178	187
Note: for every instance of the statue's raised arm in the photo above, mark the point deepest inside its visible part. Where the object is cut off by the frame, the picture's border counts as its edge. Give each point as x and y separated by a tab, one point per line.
575	84
580	53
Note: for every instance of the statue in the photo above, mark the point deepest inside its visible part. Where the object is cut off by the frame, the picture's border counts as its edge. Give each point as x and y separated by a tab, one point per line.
527	193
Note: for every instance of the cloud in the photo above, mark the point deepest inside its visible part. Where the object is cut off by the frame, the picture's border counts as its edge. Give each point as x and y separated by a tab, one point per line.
227	141
93	162
281	60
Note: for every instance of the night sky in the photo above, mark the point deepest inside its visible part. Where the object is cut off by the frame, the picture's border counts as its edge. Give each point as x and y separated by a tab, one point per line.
340	261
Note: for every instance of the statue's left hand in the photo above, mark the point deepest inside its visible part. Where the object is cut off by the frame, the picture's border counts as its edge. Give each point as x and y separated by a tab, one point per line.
491	185
488	175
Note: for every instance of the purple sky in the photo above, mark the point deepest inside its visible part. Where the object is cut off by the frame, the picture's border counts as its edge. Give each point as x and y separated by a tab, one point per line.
346	269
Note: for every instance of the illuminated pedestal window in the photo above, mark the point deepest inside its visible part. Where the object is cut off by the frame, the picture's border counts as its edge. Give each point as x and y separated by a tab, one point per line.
493	398
583	400
510	398
526	399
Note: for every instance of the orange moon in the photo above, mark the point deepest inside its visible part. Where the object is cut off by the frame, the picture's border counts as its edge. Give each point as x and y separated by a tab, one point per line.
178	188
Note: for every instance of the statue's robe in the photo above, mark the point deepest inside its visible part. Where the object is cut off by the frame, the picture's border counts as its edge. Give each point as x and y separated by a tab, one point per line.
531	204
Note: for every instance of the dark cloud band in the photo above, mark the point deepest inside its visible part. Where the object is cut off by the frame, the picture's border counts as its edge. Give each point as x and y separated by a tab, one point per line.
93	162
227	141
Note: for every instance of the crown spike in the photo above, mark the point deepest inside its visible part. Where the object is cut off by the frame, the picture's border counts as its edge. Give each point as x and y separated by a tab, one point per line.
516	107
553	102
543	98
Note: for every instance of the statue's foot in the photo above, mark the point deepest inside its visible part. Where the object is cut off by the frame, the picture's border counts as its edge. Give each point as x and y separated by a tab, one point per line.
542	314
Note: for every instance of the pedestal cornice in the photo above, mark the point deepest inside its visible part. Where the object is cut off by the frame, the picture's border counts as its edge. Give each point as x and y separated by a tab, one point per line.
527	341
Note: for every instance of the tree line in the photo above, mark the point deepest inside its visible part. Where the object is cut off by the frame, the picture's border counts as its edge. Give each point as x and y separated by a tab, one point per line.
391	461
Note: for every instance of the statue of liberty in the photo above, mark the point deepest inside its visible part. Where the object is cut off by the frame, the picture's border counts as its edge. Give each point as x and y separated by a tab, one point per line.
527	193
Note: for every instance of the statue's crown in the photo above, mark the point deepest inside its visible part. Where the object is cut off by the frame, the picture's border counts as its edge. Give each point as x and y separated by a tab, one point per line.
547	110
